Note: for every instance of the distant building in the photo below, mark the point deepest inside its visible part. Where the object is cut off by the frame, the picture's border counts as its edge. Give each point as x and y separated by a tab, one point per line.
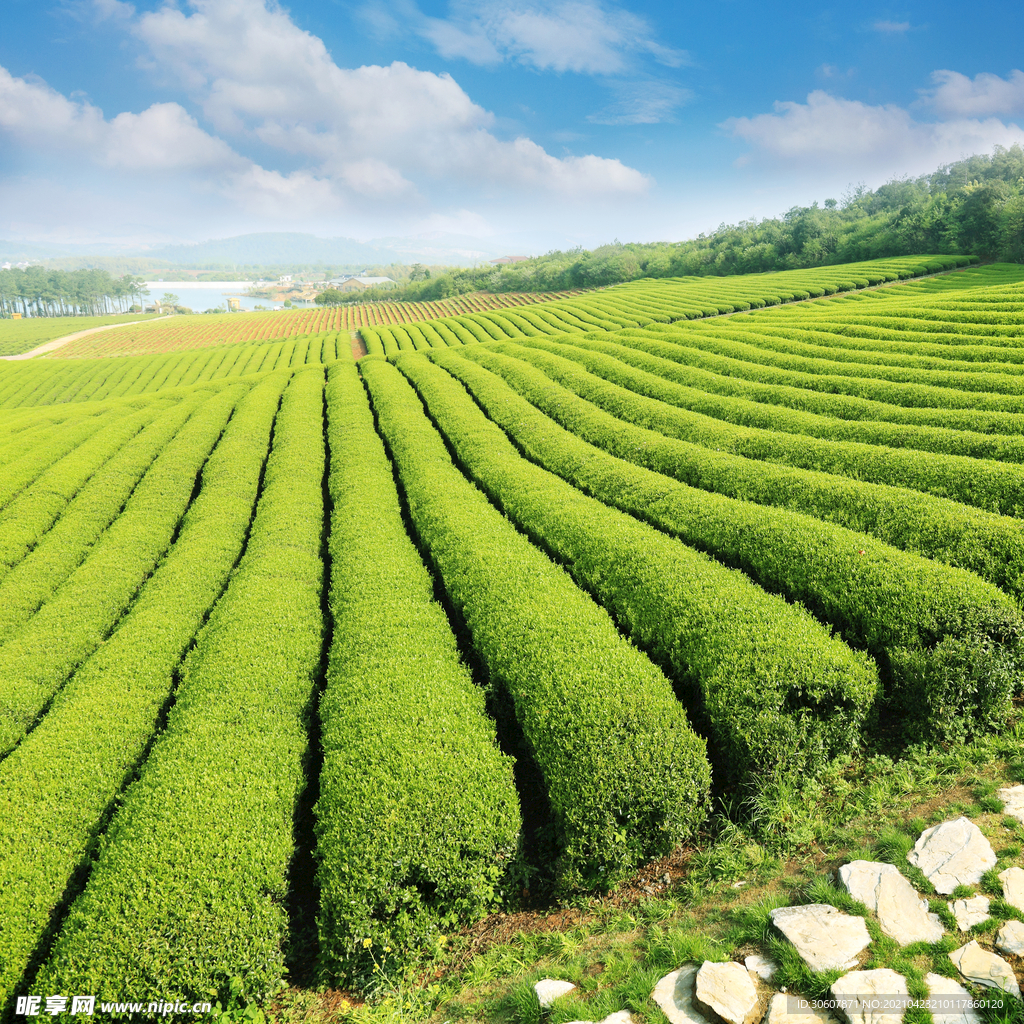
233	305
502	260
358	284
285	278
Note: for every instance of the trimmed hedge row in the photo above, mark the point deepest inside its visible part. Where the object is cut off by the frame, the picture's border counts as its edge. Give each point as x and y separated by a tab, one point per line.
778	694
844	338
473	329
27	518
551	322
940	361
626	778
991	546
521	323
581	314
37	660
59	552
483	327
987	484
48	382
20	382
702	393
405	735
61	780
460	331
21	472
188	890
900	386
939	316
902	608
873	401
545	322
25	423
447	334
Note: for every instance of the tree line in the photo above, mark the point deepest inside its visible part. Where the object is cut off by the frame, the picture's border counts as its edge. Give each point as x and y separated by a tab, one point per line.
36	291
971	207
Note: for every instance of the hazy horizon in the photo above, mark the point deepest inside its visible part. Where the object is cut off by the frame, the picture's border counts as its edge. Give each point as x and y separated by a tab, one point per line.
511	123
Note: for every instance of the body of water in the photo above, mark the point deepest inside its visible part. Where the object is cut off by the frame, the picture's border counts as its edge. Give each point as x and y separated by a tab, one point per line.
202	295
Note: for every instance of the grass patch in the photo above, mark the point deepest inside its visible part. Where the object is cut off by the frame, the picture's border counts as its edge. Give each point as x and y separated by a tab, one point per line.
620	946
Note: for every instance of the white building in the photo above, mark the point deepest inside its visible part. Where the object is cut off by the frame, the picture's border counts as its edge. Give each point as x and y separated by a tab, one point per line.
354	284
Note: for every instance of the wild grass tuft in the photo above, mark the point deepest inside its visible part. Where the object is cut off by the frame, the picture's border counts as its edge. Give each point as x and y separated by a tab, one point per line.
753	923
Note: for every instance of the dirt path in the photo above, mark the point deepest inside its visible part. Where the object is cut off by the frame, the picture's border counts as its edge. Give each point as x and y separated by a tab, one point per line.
57	342
358	345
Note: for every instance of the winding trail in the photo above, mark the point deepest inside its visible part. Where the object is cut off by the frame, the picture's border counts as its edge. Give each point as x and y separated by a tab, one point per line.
57	342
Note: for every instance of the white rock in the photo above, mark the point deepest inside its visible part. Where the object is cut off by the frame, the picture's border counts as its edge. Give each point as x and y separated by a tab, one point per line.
951	854
984	968
761	966
970	912
950	1001
548	990
1010	938
1013	886
725	991
622	1017
1013	801
902	914
862	989
674	994
779	1012
824	937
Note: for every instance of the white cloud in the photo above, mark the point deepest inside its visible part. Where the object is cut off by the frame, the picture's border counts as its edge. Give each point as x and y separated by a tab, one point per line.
983	95
115	9
162	143
29	107
643	103
830	132
891	27
585	36
372	129
162	138
834	72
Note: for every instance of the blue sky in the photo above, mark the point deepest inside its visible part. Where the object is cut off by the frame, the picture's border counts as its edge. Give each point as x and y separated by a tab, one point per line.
526	124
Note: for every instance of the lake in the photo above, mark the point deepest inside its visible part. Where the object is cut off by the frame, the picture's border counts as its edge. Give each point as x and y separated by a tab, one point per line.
201	295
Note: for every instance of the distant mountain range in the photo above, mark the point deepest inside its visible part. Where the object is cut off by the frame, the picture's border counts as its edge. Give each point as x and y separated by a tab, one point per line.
269	249
18	252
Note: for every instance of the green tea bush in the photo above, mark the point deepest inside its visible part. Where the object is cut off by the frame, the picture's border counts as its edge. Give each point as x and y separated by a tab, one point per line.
39	658
188	890
64	776
742	659
985	484
405	736
702	391
929	625
625	775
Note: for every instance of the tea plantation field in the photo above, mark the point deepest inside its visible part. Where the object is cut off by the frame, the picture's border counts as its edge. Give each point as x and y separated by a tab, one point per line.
286	638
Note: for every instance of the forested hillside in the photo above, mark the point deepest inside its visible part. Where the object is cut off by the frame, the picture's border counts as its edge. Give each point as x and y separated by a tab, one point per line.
974	206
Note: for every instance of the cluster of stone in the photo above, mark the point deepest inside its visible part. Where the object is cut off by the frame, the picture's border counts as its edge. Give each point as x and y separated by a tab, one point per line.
950	855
